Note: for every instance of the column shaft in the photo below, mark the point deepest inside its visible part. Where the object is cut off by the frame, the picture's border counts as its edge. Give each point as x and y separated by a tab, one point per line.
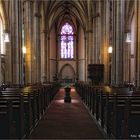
137	41
28	41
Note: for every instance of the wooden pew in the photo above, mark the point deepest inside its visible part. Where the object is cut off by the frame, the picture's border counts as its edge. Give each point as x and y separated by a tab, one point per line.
32	108
28	104
115	113
6	119
35	101
131	127
17	114
109	107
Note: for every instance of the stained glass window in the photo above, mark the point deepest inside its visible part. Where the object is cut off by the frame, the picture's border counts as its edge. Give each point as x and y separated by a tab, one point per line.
67	41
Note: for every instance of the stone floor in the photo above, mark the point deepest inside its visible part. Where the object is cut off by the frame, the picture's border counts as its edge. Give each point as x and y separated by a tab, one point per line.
66	121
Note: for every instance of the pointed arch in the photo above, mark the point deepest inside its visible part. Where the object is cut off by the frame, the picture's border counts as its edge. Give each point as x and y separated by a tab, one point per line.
67	72
56	9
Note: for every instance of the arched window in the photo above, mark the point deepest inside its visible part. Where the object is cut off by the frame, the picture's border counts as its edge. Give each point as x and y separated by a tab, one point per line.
67	42
1	38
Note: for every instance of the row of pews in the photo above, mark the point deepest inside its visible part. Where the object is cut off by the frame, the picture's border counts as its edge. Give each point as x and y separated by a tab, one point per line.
116	109
21	108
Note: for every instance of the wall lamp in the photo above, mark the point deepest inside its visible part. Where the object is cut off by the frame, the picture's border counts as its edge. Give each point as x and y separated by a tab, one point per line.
128	37
24	50
6	37
110	49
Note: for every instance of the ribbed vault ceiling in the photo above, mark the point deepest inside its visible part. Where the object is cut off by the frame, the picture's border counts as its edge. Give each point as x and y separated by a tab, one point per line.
75	8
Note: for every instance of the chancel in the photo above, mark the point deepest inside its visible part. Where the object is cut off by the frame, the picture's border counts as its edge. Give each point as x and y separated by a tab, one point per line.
69	69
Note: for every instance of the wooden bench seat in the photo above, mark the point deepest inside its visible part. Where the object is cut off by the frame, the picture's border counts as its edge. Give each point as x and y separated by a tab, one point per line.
108	105
131	127
31	110
112	112
26	113
6	119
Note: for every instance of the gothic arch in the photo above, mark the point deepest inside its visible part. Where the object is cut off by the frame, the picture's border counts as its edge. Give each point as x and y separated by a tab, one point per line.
63	21
57	9
67	72
129	14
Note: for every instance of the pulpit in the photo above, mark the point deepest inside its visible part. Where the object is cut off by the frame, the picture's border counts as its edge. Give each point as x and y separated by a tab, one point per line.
67	98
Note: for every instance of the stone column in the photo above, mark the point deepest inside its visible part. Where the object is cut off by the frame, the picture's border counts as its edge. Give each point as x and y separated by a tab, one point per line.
77	56
8	62
118	34
126	62
39	50
89	33
88	39
113	16
16	28
48	57
43	56
57	50
85	57
90	46
97	34
137	42
105	24
36	47
43	47
119	42
28	41
99	48
95	41
34	43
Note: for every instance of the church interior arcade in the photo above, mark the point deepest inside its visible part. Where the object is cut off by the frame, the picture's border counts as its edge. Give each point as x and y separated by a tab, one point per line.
90	46
62	37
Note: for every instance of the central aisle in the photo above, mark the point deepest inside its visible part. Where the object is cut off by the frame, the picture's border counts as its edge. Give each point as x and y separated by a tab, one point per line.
66	120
